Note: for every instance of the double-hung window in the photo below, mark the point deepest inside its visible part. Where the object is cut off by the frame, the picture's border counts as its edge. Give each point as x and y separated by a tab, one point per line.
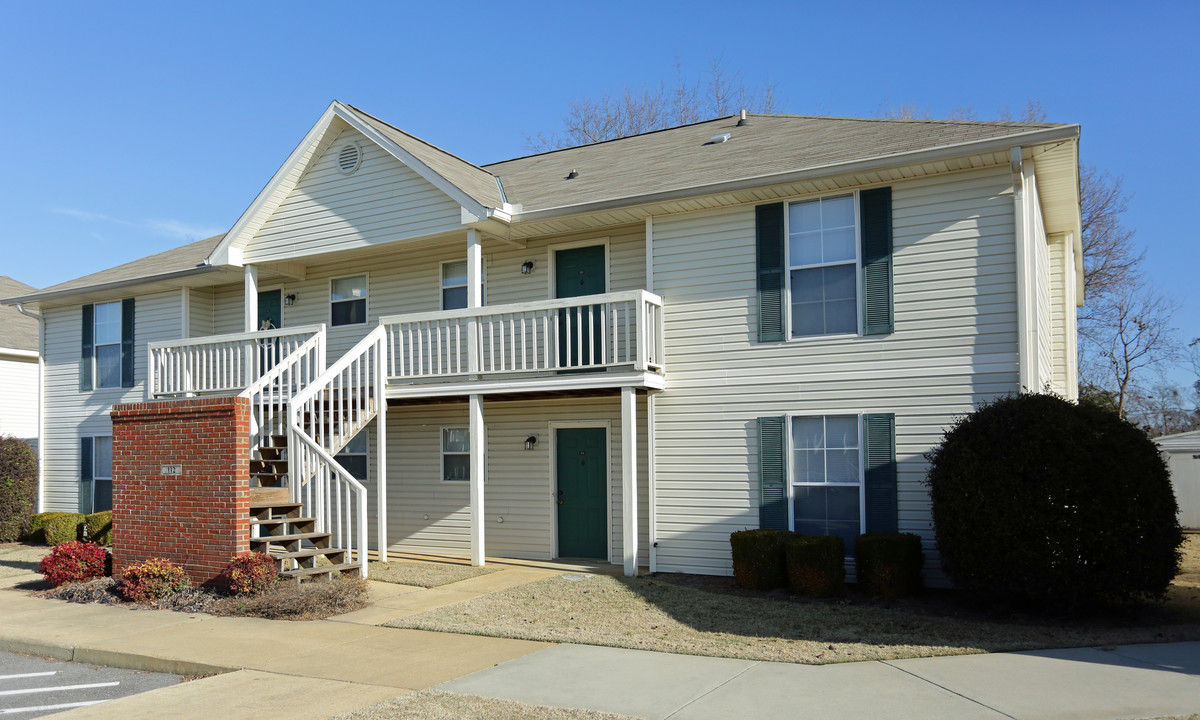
456	454
822	252
348	300
353	457
95	473
454	286
108	344
827	476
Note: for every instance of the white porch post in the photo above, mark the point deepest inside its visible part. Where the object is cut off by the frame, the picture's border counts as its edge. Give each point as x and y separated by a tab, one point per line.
474	296
629	509
250	304
478	453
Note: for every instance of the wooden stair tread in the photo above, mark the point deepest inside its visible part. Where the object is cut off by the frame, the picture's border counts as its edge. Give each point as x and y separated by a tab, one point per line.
280	520
257	505
291	537
307	553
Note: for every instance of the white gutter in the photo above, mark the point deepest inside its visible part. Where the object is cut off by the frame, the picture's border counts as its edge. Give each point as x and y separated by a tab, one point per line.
41	394
1001	144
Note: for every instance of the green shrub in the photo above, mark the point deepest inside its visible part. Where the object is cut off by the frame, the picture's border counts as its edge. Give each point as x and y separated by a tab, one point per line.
1048	505
251	574
816	566
758	559
73	562
889	564
152	579
99	527
18	488
53	528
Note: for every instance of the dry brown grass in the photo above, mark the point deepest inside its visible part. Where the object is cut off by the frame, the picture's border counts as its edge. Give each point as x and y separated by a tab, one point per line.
709	616
423	574
438	705
313	600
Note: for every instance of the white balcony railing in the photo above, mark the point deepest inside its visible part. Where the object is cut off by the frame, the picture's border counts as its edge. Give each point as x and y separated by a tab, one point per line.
221	364
593	332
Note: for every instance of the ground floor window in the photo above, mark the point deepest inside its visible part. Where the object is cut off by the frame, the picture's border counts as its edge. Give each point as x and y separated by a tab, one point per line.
827	477
353	457
95	473
456	454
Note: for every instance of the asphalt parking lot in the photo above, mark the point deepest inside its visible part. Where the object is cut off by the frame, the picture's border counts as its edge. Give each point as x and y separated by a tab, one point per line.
31	687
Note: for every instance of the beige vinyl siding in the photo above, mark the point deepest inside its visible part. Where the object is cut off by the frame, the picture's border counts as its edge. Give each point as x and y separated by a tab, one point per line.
1056	256
201	318
954	345
519	485
382	201
229	313
19	397
71	413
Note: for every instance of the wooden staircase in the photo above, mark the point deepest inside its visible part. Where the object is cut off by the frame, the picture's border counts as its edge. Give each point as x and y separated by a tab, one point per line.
277	526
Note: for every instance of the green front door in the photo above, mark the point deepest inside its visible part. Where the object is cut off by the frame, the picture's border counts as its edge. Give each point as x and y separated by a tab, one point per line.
577	272
582	463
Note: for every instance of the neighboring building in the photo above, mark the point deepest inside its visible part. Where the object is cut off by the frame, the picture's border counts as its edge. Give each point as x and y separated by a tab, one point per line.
1182	453
19	375
642	345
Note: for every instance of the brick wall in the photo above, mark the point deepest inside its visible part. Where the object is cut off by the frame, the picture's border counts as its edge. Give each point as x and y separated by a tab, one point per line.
198	519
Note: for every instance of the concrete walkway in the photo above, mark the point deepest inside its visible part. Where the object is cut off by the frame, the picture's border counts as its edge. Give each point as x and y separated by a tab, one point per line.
317	669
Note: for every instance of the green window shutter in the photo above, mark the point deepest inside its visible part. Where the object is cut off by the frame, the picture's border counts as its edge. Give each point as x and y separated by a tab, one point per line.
768	233
879	448
127	349
772	473
876	208
85	474
87	355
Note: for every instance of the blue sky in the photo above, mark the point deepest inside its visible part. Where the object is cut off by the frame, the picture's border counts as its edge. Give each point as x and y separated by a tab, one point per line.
135	127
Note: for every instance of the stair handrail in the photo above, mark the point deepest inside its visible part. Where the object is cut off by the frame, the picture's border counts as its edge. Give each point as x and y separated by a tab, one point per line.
270	394
312	465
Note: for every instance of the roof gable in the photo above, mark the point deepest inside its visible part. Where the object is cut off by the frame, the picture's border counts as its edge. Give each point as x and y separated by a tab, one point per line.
475	199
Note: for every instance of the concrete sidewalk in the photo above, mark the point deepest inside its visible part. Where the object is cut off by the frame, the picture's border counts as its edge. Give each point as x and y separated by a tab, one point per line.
321	668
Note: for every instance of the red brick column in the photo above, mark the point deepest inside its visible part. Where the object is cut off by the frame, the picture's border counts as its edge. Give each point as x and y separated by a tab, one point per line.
199	518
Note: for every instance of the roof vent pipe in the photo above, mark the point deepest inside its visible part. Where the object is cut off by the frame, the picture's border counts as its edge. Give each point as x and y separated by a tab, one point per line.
742	121
573	174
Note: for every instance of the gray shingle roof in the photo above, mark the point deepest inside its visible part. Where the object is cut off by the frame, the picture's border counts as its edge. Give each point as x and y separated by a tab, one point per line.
186	257
16	330
679	158
471	179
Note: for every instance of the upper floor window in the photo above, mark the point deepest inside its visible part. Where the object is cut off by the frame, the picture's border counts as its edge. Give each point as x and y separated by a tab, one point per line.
108	344
454	286
822	254
348	300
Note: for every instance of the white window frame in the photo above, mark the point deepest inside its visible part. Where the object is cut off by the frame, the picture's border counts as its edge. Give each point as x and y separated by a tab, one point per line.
366	297
791	467
442	287
95	468
365	454
96	344
442	455
788	267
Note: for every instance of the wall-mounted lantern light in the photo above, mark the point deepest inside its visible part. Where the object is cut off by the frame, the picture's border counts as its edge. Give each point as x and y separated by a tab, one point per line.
289	300
526	267
531	442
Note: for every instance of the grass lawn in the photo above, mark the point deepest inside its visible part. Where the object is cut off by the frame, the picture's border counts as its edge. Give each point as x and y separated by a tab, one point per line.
703	615
423	574
19	558
438	705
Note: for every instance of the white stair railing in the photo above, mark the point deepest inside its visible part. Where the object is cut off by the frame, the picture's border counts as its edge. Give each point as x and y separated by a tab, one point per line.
220	364
322	418
272	393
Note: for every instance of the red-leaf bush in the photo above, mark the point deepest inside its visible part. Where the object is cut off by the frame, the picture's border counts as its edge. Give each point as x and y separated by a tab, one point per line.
74	561
153	579
252	574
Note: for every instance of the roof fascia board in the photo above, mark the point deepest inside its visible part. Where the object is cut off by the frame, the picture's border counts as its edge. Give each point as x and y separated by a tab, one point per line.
117	285
1032	137
17	353
221	254
456	193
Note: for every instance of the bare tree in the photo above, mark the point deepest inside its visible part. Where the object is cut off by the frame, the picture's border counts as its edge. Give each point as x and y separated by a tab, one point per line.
1138	338
632	112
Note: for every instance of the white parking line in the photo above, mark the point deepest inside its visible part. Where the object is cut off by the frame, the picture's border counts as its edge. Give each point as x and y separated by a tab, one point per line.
28	675
61	687
60	706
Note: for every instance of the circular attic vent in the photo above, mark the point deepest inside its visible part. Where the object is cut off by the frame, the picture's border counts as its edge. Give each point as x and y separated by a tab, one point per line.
349	158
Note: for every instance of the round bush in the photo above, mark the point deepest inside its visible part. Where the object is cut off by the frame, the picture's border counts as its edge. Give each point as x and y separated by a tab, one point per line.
152	579
251	574
73	562
18	488
1048	505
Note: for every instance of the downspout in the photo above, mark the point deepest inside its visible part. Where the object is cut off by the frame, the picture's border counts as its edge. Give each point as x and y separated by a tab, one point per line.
41	394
